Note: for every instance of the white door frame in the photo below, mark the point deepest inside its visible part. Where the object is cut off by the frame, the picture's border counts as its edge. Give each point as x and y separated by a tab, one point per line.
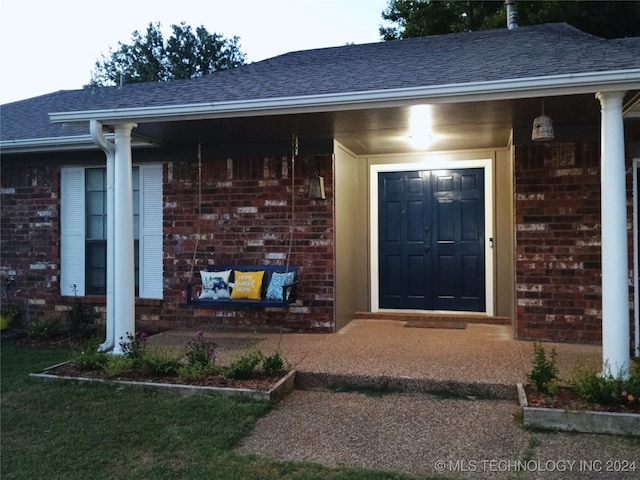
433	164
636	259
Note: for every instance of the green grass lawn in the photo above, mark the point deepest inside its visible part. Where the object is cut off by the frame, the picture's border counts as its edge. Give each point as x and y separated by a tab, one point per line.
65	431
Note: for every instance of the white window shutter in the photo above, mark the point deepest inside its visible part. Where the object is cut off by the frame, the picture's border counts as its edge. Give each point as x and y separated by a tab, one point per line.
151	257
72	240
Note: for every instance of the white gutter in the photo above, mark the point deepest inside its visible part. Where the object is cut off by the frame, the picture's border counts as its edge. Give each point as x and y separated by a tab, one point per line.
58	144
51	144
100	139
452	93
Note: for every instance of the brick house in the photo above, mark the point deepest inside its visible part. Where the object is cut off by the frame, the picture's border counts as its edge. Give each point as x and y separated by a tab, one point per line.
478	218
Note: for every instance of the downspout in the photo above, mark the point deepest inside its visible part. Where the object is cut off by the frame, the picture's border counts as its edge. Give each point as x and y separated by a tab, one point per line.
109	149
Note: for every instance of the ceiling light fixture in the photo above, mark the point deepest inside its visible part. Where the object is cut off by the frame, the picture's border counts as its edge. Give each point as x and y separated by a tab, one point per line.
420	134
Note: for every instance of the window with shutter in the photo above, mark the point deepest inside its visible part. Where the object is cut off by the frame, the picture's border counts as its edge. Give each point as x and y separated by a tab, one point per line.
84	230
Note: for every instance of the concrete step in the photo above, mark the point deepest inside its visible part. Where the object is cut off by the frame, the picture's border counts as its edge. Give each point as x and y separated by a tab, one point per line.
434	317
381	385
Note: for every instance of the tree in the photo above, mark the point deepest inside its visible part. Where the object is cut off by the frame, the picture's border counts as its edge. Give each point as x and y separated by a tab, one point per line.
149	58
416	18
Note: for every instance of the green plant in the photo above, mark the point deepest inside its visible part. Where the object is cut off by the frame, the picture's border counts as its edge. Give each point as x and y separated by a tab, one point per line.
200	350
273	364
117	365
244	365
597	386
7	315
90	357
134	346
47	328
193	372
158	361
80	316
544	372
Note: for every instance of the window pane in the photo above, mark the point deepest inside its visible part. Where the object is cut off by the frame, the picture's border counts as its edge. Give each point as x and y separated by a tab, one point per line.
136	203
95	179
96	228
96	221
136	227
136	254
97	268
96	203
135	176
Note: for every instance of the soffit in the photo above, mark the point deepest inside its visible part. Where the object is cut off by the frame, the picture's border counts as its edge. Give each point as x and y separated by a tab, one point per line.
455	126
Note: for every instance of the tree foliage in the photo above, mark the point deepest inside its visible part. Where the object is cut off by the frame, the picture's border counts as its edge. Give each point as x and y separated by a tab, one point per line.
416	18
151	58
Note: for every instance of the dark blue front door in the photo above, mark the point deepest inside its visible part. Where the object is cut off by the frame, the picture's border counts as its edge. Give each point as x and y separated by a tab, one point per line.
431	240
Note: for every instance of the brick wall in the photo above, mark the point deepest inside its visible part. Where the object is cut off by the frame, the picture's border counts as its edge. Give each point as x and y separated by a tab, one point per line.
558	240
245	218
30	240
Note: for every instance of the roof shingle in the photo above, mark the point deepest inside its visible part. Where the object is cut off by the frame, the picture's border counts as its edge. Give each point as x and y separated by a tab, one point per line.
453	59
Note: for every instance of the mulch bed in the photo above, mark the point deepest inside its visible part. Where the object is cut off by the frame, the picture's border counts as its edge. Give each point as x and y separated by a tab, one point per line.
259	381
567	399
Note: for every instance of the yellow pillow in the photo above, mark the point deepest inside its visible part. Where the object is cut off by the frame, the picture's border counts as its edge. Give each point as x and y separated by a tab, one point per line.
247	285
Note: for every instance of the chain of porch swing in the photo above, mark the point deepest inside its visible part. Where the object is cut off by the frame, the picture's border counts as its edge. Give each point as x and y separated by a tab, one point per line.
294	154
195	249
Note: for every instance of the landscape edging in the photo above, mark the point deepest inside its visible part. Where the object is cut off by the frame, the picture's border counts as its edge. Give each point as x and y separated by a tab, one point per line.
612	423
273	394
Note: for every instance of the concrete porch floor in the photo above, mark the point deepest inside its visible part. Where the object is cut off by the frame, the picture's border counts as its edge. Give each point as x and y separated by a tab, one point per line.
481	359
409	430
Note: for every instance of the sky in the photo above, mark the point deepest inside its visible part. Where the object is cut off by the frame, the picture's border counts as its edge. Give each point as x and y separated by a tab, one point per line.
51	45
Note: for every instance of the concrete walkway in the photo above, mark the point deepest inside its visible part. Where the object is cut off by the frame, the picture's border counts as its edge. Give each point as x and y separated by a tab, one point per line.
334	418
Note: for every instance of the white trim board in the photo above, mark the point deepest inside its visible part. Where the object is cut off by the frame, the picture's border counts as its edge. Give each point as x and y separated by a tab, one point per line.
636	260
433	164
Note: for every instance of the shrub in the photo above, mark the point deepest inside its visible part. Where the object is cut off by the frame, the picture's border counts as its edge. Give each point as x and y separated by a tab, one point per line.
192	372
544	372
273	364
47	328
90	357
80	316
244	366
134	346
159	361
118	364
7	315
197	372
200	351
597	386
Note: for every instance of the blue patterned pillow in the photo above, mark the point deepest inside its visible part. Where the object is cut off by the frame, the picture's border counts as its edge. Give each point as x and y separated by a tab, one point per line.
279	280
215	285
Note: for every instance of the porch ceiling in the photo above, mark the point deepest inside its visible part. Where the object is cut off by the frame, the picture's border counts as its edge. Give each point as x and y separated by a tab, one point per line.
369	131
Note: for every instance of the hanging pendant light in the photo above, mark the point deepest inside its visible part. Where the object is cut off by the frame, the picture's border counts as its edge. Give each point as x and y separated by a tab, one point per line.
316	183
316	187
542	128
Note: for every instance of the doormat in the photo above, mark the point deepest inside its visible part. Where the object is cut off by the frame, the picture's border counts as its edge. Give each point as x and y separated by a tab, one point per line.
436	324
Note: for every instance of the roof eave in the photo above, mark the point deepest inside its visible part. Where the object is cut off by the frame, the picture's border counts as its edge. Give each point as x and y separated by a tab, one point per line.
58	144
48	144
452	93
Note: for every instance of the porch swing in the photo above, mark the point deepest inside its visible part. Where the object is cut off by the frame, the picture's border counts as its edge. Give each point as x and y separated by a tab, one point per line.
247	286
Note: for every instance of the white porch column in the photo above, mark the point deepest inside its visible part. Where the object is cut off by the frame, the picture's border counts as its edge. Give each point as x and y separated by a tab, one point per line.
124	268
615	285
